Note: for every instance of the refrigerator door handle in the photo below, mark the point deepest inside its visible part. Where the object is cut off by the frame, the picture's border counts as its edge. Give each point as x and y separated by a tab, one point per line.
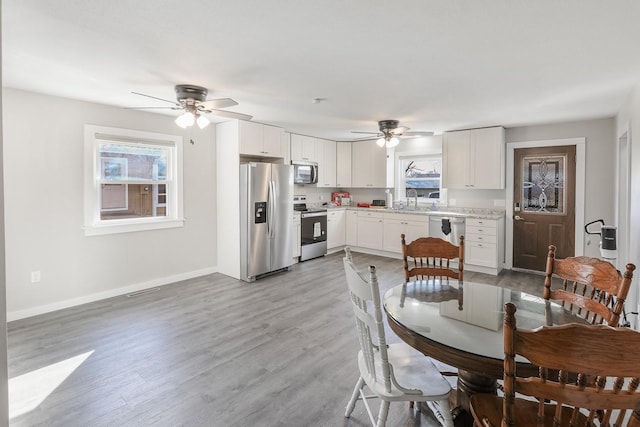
270	210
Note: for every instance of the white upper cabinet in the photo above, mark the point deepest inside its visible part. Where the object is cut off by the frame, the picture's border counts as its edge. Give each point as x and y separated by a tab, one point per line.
368	165
303	148
474	159
260	140
326	155
343	164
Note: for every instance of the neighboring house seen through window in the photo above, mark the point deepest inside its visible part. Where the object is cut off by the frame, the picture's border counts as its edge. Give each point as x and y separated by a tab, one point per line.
421	176
133	180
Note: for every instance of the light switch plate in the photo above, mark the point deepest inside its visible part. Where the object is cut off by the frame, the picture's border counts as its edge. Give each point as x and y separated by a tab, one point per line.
499	203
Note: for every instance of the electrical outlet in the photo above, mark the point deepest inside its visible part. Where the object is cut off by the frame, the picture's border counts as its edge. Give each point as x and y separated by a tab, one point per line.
35	276
452	202
320	198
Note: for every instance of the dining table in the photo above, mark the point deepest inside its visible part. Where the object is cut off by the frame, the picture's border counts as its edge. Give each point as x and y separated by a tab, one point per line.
460	324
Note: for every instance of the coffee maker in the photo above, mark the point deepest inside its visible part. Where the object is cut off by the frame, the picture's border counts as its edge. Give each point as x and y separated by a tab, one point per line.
608	247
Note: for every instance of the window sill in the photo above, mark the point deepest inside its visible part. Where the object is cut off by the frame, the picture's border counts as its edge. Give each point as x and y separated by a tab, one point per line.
130	226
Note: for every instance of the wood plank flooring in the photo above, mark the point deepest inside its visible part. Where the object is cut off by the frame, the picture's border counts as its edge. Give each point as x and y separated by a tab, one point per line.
213	351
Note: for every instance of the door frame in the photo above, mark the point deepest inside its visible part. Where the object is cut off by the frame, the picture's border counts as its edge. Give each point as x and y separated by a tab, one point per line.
623	220
580	144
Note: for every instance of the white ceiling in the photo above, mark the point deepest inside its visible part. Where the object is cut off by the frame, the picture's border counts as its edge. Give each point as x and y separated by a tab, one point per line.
433	65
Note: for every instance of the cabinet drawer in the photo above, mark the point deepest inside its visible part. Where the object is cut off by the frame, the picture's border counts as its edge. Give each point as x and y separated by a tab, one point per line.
480	238
477	222
370	214
487	231
483	254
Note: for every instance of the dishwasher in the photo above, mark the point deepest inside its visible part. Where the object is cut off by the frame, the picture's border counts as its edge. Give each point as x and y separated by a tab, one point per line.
448	228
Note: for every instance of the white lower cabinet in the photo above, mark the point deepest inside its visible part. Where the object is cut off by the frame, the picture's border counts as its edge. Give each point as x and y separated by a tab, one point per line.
297	234
370	229
412	226
351	232
336	228
483	243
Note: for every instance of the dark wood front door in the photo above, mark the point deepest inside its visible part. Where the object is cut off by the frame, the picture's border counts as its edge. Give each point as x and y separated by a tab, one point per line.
544	204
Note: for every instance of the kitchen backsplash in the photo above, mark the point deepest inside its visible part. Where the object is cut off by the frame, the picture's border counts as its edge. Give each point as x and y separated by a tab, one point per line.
485	199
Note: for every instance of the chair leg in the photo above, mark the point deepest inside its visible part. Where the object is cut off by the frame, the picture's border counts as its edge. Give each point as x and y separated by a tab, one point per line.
354	397
442	411
384	411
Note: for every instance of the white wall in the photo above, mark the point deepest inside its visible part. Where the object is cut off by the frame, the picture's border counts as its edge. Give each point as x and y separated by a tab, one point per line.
43	148
630	114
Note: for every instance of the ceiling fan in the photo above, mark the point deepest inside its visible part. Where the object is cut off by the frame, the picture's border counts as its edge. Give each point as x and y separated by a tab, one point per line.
193	101
390	133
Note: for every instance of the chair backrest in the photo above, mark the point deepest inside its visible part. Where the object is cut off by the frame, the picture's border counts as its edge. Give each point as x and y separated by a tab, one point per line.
431	257
591	288
365	301
604	358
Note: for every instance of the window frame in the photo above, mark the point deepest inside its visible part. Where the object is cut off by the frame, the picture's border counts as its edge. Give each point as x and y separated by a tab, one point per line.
93	224
400	188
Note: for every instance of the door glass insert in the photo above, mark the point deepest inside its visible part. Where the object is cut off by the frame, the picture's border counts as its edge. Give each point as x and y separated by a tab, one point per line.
543	182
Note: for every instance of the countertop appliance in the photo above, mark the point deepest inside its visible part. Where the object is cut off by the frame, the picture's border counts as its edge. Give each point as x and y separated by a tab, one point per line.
304	172
266	212
447	228
313	224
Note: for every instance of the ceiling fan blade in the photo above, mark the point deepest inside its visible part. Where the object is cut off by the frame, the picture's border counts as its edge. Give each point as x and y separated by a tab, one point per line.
368	133
230	114
417	133
399	130
218	103
155	97
153	108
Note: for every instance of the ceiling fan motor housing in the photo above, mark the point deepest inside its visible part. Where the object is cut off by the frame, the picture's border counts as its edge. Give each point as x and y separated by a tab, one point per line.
197	93
388	125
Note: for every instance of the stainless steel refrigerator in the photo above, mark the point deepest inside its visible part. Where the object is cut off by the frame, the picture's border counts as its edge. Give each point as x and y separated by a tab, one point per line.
266	215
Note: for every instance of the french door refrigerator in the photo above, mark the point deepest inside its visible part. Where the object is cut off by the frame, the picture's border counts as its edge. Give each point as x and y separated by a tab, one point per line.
266	215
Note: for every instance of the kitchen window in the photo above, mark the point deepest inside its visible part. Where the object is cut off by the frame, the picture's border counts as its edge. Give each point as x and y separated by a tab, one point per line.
420	176
133	180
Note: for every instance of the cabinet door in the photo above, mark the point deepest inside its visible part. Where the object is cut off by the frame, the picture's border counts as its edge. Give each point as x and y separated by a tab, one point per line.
250	138
343	164
303	148
393	228
351	232
326	152
378	161
370	231
415	229
272	141
488	154
455	159
360	168
335	229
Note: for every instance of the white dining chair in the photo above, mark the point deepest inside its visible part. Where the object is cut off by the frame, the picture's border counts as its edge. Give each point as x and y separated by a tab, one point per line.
393	372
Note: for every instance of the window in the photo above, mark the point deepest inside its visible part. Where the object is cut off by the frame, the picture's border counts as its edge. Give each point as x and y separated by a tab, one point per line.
133	180
420	175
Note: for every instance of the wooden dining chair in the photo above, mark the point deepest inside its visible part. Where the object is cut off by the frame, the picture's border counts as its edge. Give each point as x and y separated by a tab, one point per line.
392	372
431	257
591	288
598	351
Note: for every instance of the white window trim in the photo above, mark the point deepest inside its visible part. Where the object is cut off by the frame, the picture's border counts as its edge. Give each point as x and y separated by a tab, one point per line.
93	225
400	178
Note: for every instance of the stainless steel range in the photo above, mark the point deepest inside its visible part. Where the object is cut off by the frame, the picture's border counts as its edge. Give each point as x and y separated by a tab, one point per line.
313	223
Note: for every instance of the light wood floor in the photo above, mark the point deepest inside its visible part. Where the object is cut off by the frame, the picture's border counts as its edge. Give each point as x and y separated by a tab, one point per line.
212	351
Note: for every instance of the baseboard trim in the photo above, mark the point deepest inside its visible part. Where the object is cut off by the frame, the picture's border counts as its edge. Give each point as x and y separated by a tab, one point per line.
161	281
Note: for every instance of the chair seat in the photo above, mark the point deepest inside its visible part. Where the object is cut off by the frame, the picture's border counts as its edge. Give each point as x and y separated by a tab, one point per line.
526	411
412	371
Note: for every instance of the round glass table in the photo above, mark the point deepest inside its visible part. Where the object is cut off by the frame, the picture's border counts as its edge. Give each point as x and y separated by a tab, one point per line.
460	324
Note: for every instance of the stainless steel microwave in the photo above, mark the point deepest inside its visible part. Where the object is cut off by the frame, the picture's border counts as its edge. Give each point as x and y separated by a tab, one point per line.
305	172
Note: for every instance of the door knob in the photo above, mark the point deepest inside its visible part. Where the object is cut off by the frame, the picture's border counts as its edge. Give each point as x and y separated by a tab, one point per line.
518	218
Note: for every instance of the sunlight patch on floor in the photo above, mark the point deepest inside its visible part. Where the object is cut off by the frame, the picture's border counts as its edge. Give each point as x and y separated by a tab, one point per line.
29	390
